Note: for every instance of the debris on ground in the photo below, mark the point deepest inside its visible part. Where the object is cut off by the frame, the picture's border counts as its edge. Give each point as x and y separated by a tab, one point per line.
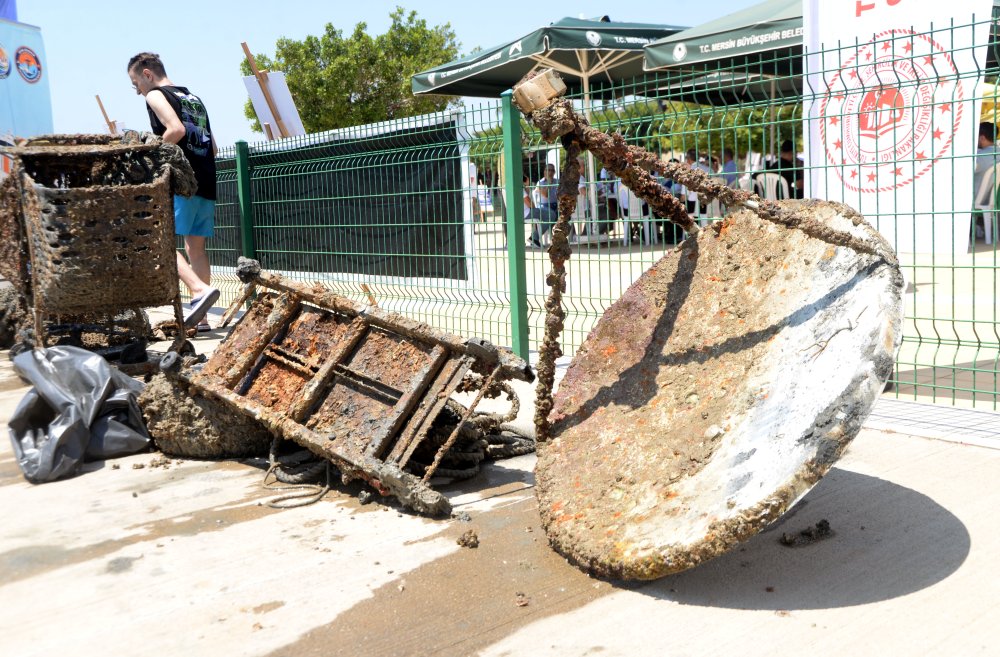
807	536
197	426
469	539
160	461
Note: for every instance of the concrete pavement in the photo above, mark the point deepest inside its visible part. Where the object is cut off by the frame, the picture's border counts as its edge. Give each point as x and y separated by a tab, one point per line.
138	557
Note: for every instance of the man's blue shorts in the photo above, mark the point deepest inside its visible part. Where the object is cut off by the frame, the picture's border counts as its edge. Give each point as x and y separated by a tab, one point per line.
194	216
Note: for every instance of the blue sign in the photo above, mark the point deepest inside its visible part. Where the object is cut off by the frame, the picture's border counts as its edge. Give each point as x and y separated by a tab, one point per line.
25	103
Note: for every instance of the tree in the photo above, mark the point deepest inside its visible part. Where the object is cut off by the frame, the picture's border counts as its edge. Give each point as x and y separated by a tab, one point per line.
339	82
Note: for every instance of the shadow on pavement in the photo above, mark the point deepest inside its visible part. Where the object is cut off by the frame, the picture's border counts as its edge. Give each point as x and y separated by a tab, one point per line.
888	541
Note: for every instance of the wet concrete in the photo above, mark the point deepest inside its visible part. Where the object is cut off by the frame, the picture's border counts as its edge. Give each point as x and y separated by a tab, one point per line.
511	579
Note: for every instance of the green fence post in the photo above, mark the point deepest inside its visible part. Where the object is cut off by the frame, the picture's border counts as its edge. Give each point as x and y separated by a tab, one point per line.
247	244
514	208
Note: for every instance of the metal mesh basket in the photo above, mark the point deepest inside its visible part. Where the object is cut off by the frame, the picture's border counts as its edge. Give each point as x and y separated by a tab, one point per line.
100	227
13	249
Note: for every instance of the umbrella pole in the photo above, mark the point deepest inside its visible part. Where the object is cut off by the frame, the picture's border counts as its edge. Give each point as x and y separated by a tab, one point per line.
771	118
592	225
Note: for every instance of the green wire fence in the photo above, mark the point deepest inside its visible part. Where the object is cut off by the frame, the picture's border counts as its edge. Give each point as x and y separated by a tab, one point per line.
425	216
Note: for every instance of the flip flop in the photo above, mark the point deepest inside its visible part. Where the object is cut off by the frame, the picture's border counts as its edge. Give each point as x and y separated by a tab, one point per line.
200	307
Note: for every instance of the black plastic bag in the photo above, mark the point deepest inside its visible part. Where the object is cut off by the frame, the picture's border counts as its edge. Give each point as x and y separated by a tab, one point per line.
80	409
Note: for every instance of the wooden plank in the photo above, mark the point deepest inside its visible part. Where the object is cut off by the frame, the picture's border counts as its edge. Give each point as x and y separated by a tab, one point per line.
112	126
262	81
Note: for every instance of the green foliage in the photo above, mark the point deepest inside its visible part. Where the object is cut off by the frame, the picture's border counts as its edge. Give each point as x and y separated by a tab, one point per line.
668	128
339	81
673	127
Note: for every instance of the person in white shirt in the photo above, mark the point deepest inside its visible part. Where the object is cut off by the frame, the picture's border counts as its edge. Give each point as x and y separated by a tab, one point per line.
548	188
689	195
986	157
986	154
542	218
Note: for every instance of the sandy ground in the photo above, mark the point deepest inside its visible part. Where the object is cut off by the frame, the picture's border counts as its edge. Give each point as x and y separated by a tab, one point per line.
136	557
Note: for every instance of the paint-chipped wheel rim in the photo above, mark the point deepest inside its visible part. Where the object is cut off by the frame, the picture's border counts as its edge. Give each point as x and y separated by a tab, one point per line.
716	392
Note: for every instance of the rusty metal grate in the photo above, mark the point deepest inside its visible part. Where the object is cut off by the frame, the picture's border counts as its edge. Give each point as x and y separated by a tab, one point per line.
354	384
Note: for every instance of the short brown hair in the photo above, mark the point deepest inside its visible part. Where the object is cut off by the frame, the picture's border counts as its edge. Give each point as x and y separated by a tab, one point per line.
148	60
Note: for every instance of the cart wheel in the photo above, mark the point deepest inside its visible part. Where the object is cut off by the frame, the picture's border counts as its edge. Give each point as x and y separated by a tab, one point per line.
170	362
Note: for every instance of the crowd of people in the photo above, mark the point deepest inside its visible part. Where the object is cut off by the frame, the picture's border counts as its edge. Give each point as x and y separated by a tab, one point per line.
541	206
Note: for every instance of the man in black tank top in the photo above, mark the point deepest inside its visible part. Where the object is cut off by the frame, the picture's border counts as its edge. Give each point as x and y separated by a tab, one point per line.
179	117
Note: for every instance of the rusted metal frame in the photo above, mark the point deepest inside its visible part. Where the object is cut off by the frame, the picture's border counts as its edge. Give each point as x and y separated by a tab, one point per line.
39	328
405	404
513	365
281	425
437	395
235	306
367	384
366	469
275	353
448	444
313	390
181	336
284	308
37	312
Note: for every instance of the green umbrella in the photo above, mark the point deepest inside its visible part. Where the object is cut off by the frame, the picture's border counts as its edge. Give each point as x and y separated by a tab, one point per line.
582	51
771	27
767	36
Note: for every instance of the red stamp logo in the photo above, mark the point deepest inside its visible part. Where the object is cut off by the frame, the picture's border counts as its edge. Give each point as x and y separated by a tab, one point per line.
891	111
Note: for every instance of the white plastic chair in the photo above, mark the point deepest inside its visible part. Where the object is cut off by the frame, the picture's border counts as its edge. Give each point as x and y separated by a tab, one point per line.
745	182
634	214
985	202
771	186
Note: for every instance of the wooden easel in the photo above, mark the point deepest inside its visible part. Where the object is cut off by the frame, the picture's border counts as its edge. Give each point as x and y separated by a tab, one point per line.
112	125
262	81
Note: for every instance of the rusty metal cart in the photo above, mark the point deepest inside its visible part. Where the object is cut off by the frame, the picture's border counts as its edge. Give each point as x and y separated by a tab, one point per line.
87	229
354	384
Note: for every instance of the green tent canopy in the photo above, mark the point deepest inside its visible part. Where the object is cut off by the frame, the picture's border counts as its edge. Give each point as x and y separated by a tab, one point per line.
582	51
766	37
771	26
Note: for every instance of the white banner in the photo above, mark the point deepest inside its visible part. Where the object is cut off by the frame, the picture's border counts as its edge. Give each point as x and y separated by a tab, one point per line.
893	126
